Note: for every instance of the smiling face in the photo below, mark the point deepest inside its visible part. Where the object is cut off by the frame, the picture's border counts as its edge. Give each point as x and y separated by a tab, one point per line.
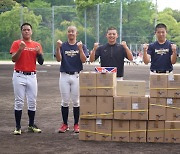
26	32
72	33
112	36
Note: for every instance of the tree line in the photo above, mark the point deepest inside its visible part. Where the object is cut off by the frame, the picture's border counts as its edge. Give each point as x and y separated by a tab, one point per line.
50	19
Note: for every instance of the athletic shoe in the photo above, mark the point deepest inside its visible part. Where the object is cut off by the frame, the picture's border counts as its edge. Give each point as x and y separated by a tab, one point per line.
63	128
76	128
17	131
34	129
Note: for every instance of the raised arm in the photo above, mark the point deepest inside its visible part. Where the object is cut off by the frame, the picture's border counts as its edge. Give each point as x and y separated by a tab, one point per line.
174	54
146	57
58	50
128	51
93	51
81	52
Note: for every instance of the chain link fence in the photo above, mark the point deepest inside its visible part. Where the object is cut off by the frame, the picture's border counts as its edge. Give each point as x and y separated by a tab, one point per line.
50	24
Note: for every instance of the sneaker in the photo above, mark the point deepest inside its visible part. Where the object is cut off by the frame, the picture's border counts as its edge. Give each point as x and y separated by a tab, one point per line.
17	131
76	128
63	128
34	129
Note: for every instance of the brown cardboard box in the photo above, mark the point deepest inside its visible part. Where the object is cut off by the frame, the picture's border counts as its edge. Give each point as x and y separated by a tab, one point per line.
172	131
157	108
120	130
106	84
174	86
103	130
173	109
87	81
88	107
105	107
122	107
131	88
158	85
139	108
155	131
137	131
87	129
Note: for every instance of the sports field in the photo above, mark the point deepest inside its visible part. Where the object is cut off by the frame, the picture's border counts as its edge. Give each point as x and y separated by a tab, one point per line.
48	118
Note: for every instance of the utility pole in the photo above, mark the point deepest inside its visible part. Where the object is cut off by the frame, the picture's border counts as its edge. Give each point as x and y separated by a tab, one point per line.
120	24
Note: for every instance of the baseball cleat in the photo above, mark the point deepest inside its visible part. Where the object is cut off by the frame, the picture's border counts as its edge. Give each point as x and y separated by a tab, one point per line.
34	129
63	128
17	131
76	128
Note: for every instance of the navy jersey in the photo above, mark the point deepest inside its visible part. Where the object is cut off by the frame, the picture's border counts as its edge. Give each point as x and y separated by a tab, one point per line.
112	56
160	56
71	61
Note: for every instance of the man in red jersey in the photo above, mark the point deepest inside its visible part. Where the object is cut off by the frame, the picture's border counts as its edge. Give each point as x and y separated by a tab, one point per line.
24	54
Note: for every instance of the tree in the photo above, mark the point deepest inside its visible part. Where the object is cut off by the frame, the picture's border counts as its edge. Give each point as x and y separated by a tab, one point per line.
6	5
10	25
173	26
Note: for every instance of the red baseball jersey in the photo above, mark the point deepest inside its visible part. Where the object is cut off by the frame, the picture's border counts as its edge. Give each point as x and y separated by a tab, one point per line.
27	59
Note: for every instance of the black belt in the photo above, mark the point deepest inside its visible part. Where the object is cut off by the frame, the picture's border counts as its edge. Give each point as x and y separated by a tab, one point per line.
71	73
26	73
161	71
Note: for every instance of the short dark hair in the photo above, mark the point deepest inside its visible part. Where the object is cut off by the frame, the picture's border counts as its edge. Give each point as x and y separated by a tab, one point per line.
25	24
160	25
111	28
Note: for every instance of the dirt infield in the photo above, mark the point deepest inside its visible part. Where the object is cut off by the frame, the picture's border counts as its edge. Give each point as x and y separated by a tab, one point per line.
48	118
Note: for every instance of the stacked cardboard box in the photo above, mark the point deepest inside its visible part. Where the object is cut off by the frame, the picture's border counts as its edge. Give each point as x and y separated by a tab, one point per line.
164	108
96	105
119	110
130	112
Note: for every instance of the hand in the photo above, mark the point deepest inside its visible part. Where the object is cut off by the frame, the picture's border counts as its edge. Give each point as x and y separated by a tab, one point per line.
37	49
79	44
173	47
123	43
22	45
95	46
145	47
59	43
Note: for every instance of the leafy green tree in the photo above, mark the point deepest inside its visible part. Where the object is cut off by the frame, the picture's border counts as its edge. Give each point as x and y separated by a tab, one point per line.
176	15
10	25
173	26
6	5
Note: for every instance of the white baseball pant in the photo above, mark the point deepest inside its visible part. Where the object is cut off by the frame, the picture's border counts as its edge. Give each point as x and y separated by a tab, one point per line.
25	85
69	89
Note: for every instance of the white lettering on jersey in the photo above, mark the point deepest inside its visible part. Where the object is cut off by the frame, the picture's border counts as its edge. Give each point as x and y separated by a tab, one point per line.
72	53
161	51
29	49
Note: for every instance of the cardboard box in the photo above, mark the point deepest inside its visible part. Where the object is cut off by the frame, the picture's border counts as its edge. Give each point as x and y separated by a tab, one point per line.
87	81
139	108
137	131
106	84
131	88
87	129
155	131
157	108
158	85
122	107
172	131
120	130
174	86
87	107
173	109
105	107
103	130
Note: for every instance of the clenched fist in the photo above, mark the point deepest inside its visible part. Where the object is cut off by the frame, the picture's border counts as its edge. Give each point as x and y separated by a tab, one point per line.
59	43
79	44
22	45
